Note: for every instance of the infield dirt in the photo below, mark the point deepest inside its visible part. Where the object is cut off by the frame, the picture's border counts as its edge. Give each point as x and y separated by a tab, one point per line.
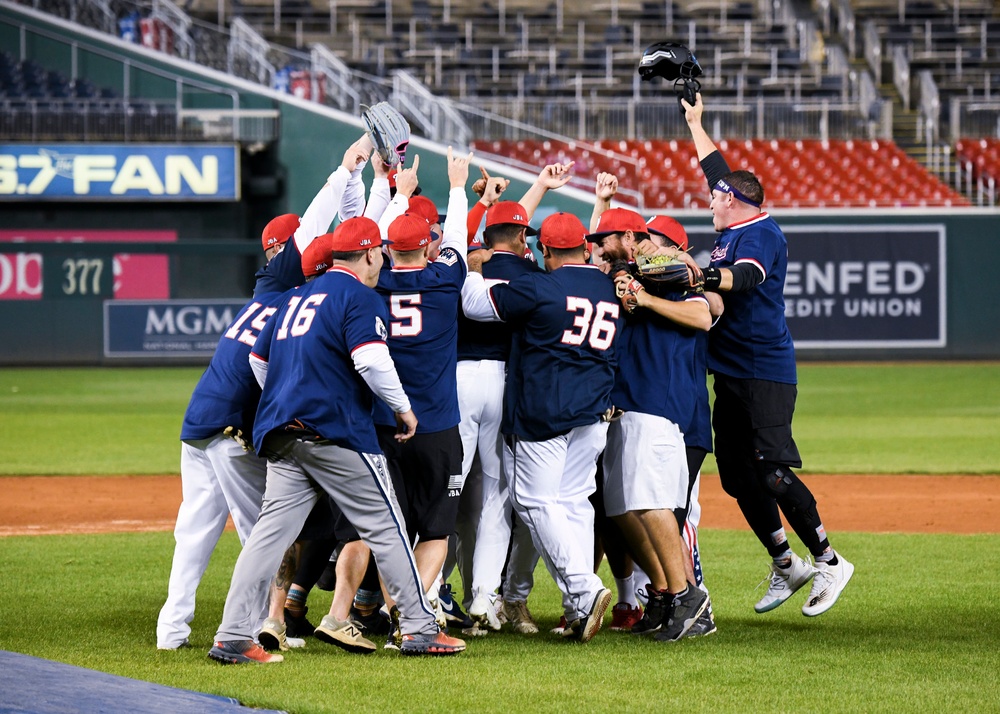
874	504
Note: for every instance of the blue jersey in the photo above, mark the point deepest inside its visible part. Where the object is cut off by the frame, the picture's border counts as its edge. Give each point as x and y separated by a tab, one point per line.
491	340
282	273
308	346
751	339
227	393
423	305
657	366
562	366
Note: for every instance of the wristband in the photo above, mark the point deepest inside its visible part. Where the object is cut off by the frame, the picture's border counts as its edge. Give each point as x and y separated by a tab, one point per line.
713	277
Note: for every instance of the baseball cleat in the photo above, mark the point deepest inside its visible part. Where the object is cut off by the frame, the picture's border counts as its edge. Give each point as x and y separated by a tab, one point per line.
242	652
784	582
437	645
483	611
687	608
517	614
344	634
624	616
829	583
585	628
169	647
560	629
452	610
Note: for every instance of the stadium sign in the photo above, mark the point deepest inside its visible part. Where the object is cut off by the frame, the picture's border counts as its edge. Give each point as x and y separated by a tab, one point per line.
119	172
166	328
861	286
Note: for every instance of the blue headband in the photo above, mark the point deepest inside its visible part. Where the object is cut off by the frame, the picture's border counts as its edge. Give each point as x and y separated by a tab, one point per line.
721	185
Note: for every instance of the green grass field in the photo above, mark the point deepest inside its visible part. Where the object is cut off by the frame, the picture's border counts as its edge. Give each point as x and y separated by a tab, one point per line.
916	630
896	418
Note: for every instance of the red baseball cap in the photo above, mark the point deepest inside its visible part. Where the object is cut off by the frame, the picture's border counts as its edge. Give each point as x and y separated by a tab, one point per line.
279	230
392	178
316	257
509	212
619	220
409	232
562	230
356	234
425	208
670	229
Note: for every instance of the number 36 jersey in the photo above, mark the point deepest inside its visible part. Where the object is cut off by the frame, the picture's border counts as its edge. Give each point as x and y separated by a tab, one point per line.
562	363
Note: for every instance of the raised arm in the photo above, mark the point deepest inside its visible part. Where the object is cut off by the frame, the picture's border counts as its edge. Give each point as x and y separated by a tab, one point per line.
551	177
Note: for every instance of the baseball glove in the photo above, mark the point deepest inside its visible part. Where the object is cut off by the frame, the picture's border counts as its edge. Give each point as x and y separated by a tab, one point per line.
660	274
389	132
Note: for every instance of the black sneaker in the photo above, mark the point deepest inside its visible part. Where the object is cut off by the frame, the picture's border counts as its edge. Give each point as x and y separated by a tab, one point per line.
374	623
298	625
704	626
657	611
687	608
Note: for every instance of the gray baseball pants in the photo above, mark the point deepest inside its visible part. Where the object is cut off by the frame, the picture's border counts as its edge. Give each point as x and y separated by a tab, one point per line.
360	485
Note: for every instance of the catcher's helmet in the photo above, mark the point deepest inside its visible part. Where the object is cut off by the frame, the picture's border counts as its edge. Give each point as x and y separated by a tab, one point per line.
669	60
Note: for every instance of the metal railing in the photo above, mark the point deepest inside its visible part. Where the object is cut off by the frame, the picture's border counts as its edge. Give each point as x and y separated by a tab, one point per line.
872	44
974	117
929	119
901	74
437	118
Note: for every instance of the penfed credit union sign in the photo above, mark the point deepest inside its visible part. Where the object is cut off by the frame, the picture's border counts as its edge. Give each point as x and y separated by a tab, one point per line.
119	172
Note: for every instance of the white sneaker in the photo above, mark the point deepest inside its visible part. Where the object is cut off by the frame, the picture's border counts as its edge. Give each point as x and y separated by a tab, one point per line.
484	611
829	583
784	583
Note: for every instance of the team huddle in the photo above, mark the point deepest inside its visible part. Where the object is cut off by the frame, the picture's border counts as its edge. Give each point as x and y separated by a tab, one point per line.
412	394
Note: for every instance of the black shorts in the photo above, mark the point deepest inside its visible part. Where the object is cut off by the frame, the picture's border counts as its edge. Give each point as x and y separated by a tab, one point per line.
753	417
426	474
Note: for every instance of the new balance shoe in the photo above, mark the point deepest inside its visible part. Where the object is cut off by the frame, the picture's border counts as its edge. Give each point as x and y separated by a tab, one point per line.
242	652
437	645
829	583
687	608
298	625
517	614
585	628
483	611
784	582
344	634
704	626
452	610
624	616
273	636
657	610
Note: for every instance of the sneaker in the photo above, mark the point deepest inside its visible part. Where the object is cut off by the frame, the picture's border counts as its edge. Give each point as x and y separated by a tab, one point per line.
184	644
584	628
452	610
346	635
298	625
624	616
242	652
829	583
484	611
704	626
376	622
273	635
439	645
560	629
657	609
517	614
687	608
784	583
395	637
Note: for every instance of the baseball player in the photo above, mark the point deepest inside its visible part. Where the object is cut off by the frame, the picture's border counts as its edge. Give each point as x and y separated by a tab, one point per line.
483	350
751	354
217	476
568	321
422	299
314	426
645	464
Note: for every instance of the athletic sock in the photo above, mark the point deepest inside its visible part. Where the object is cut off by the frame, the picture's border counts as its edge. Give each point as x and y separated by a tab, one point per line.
827	556
784	561
295	602
626	591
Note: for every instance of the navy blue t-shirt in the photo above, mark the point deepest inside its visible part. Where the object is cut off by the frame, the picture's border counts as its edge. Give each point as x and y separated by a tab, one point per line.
562	366
282	273
751	339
